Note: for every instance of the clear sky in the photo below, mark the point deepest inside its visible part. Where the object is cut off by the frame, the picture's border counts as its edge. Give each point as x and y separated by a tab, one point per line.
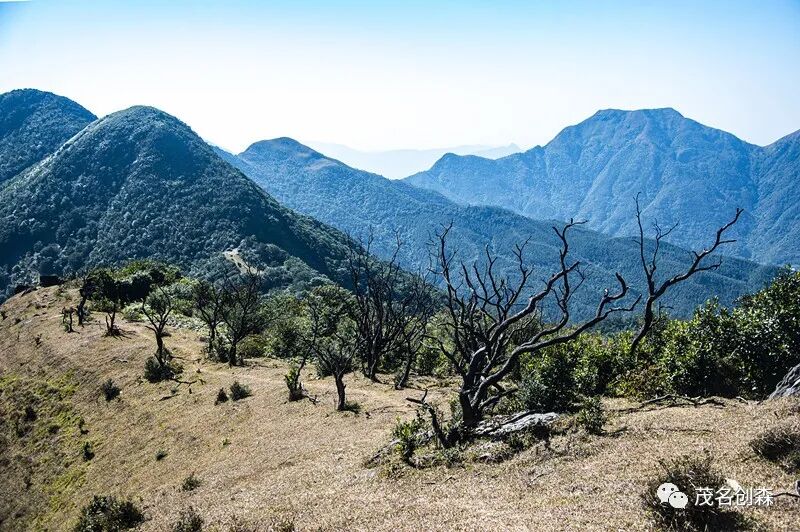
409	73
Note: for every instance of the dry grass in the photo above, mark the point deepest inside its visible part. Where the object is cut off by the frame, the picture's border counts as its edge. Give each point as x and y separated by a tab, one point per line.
269	462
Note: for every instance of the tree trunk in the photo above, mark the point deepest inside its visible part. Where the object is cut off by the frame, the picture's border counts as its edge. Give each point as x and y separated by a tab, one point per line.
232	361
82	310
403	380
160	349
340	386
470	417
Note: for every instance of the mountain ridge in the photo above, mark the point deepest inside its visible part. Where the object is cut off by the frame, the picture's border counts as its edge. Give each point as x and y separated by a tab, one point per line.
683	171
139	183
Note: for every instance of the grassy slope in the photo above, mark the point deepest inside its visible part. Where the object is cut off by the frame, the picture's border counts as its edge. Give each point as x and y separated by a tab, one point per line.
304	463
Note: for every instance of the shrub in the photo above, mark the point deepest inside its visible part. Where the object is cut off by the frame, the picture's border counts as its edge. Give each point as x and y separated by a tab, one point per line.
780	444
253	346
190	483
155	372
407	434
110	389
548	381
222	397
689	473
87	451
293	383
239	391
160	455
108	514
592	416
188	521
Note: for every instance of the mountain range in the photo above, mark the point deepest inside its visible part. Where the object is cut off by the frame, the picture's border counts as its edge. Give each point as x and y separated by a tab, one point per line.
356	202
684	173
396	164
140	184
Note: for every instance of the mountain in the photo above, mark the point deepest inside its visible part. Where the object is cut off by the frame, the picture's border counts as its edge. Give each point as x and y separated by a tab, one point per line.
686	172
354	201
141	184
396	164
33	124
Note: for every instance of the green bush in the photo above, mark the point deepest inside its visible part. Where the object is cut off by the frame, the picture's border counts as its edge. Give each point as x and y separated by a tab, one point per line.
110	389
188	521
222	396
592	416
253	346
408	435
108	514
155	372
191	483
239	391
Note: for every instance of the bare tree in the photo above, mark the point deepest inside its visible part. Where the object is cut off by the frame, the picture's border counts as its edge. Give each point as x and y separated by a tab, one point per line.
413	324
389	304
332	336
485	311
209	301
650	264
242	310
157	307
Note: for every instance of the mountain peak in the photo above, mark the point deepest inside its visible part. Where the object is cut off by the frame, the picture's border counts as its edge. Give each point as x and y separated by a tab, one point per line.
33	124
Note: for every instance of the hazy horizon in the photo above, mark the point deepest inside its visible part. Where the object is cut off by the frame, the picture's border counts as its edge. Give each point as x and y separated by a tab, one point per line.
389	76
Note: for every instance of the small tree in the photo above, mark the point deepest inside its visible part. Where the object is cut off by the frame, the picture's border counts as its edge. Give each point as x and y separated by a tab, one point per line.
332	336
108	293
390	306
242	310
157	307
209	300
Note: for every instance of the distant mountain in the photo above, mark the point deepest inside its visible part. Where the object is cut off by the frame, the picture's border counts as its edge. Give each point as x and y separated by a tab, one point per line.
33	124
141	184
396	164
353	201
687	173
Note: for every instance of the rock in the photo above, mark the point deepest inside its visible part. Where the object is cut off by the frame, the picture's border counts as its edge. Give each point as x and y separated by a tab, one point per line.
500	426
789	385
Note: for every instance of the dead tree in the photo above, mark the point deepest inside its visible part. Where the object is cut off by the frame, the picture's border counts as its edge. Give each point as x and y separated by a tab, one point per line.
388	304
484	311
209	300
331	336
650	264
242	310
157	307
413	325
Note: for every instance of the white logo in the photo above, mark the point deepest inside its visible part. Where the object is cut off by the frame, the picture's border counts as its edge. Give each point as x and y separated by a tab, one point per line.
665	490
678	500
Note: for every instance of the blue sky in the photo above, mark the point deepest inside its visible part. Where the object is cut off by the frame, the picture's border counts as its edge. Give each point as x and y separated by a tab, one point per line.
412	74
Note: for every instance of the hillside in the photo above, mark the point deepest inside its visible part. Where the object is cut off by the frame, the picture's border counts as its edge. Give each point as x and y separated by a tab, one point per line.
354	200
268	462
686	173
34	124
140	184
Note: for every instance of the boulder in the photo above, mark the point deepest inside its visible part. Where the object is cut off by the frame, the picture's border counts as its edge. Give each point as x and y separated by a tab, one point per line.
501	426
789	385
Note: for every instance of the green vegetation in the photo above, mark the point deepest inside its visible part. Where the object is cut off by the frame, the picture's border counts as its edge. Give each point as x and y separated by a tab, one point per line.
188	521
108	514
240	391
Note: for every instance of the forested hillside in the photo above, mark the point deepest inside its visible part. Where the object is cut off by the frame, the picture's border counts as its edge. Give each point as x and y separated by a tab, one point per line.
34	124
355	201
140	184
